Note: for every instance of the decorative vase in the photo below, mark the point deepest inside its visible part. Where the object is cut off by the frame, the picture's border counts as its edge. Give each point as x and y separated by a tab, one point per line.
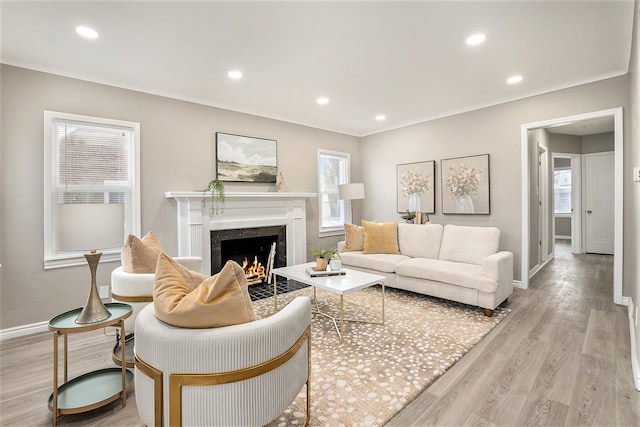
321	264
464	204
335	264
414	202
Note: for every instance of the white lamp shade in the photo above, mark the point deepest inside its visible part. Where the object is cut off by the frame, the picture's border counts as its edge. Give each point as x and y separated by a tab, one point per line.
87	227
351	191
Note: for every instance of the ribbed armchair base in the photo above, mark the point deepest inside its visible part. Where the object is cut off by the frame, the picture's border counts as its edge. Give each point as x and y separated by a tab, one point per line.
241	375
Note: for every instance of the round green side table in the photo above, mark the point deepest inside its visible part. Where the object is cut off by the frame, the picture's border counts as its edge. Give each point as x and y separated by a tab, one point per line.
93	389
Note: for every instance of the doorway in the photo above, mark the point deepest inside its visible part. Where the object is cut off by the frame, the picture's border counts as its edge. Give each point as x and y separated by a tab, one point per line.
528	187
567	203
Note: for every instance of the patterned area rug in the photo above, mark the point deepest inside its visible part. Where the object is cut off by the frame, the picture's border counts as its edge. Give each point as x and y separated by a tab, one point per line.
378	369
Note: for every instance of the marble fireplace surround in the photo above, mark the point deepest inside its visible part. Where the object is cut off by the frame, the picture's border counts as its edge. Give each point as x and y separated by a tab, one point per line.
241	210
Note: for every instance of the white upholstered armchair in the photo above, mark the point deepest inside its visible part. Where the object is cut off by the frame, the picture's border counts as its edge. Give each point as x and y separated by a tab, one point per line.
239	375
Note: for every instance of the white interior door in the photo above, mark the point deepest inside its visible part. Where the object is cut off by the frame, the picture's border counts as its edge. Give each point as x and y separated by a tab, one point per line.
599	202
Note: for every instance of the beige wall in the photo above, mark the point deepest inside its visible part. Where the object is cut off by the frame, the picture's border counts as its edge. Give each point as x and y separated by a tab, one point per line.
597	143
574	144
177	154
496	131
563	226
566	144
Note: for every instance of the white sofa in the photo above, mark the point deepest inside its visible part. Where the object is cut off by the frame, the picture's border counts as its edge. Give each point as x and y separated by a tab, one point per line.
457	263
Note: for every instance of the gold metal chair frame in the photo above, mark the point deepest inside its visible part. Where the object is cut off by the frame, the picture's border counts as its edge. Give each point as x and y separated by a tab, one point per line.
177	381
127	299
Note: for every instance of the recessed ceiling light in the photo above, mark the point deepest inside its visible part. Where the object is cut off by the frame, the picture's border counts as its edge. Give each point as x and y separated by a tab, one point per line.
86	32
380	117
323	100
514	79
235	74
476	39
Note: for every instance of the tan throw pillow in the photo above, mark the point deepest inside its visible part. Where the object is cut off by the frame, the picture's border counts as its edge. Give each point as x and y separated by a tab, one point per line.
353	237
140	256
380	238
219	300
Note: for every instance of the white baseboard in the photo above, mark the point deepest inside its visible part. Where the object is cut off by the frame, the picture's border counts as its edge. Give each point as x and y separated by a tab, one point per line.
20	331
635	362
518	284
563	237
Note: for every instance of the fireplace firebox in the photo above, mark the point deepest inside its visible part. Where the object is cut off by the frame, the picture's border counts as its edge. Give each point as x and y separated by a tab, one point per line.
249	247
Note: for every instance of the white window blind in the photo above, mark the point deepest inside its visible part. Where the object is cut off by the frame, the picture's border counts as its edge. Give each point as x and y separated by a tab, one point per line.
333	170
91	160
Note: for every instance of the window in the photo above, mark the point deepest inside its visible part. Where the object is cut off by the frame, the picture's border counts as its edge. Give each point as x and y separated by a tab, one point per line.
89	160
333	170
562	190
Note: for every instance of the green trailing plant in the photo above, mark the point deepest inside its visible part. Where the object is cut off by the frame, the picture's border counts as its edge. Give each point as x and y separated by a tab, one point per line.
324	253
216	188
409	216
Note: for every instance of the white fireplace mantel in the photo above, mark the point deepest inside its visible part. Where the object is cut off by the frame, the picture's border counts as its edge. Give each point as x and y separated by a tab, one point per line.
241	210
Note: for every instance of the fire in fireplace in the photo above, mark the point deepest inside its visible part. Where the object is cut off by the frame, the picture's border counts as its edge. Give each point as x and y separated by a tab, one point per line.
255	272
257	250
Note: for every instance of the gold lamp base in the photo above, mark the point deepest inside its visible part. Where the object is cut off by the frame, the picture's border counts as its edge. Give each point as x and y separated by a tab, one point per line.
93	310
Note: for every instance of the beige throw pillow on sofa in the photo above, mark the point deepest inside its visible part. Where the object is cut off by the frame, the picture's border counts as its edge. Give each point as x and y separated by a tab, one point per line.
140	256
380	238
188	299
353	238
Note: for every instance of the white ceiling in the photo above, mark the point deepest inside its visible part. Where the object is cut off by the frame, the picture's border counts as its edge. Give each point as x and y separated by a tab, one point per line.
584	127
406	60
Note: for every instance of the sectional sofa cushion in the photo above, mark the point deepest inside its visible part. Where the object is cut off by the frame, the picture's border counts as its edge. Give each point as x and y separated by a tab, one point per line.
420	241
139	256
380	238
385	263
219	300
454	273
468	244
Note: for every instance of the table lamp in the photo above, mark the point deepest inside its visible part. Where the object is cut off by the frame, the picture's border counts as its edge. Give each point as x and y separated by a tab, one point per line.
89	227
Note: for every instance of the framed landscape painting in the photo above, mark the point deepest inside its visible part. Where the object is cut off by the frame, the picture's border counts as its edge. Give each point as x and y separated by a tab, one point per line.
245	159
415	187
465	185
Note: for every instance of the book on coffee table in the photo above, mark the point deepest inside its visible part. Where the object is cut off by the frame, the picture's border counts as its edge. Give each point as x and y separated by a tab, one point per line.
311	271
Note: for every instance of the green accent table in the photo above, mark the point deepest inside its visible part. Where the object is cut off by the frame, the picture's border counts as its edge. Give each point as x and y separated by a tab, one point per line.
93	389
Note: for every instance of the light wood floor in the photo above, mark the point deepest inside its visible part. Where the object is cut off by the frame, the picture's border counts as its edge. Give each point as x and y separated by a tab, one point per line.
561	357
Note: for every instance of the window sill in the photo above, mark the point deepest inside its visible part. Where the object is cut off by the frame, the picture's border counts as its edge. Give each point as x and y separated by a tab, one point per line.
331	232
76	259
